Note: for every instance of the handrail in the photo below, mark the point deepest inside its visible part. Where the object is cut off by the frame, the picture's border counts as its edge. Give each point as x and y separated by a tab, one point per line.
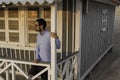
24	62
17	47
68	67
67	57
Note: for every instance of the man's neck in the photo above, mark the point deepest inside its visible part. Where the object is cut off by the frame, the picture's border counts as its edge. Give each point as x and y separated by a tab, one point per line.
41	32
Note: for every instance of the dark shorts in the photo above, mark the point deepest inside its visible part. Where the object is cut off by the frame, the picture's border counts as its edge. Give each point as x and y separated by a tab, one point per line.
36	69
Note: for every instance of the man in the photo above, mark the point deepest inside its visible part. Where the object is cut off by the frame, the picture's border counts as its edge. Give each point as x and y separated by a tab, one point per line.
43	49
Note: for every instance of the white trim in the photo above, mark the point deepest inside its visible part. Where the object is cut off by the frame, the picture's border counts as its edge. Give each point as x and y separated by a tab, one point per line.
45	64
7	73
22	27
13	72
6	25
53	46
78	32
16	47
78	29
98	60
2	18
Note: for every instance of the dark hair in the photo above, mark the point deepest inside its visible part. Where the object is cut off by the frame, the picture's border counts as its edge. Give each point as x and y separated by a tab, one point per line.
42	22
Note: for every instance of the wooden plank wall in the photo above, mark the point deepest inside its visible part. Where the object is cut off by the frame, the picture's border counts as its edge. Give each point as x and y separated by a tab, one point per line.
94	42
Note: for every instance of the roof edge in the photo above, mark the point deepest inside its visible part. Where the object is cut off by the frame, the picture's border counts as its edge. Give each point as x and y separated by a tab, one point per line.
24	2
110	2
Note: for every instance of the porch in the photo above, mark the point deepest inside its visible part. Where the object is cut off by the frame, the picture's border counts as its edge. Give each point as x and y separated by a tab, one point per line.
67	67
16	56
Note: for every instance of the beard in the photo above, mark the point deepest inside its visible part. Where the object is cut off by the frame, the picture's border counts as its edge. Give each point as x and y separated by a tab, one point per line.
38	30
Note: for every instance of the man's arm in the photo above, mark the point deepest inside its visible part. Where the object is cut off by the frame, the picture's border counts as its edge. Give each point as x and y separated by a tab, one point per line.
57	41
37	57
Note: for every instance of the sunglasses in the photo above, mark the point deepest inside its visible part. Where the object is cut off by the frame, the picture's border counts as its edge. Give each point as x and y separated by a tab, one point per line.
36	25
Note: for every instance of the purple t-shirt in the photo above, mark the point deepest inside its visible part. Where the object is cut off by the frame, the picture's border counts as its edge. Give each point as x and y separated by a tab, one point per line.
43	49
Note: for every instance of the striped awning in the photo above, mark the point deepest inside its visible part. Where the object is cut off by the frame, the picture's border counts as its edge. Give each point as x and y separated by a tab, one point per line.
25	1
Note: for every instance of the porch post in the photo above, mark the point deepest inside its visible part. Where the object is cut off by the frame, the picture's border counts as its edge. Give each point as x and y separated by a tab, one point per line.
13	72
53	45
7	72
80	38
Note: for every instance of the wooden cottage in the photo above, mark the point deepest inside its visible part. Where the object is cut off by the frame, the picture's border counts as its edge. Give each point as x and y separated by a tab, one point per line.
85	28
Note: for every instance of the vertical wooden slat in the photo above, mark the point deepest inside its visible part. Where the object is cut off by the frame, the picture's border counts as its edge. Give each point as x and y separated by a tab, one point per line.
24	54
20	54
29	55
2	51
34	54
20	57
49	73
13	72
15	53
11	54
25	59
7	73
6	52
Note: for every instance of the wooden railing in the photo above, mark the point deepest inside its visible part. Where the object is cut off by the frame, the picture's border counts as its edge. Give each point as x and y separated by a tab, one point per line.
68	67
11	66
27	54
17	60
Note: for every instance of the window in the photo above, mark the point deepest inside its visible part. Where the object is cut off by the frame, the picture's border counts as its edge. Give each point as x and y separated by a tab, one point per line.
46	15
9	26
2	25
2	36
2	30
13	25
32	14
2	12
13	37
17	25
13	12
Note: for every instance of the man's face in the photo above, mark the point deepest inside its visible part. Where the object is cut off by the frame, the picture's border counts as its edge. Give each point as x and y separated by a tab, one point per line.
38	27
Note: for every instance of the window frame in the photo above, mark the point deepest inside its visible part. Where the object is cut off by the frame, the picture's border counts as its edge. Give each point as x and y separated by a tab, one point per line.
23	26
7	31
40	15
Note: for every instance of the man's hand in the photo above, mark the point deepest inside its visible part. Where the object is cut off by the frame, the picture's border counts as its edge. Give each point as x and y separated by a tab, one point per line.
36	61
54	35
